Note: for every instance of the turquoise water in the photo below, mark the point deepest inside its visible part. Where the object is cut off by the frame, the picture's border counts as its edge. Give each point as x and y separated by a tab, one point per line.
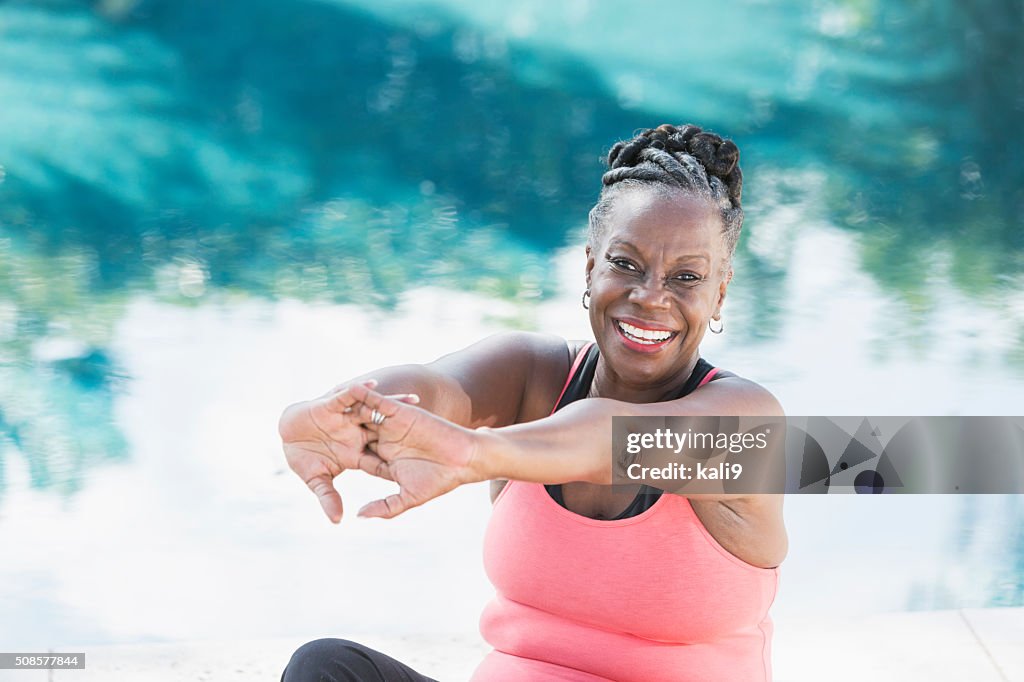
207	212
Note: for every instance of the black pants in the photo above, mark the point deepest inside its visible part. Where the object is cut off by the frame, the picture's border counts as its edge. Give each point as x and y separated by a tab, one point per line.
339	660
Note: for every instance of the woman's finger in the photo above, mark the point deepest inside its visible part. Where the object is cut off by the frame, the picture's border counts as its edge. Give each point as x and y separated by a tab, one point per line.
407	398
383	406
371	398
323	486
369	383
343	400
387	508
373	464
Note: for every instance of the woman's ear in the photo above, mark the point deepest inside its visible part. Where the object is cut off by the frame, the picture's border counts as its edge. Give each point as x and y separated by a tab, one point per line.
590	263
722	288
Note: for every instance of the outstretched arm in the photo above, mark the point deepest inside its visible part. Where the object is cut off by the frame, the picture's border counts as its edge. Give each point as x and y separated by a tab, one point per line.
489	383
428	456
494	382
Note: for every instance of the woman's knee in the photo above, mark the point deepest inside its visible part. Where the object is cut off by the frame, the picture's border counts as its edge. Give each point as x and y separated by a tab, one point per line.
327	658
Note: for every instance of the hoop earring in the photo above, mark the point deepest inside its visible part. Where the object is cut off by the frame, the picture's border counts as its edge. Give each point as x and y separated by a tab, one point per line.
586	295
721	327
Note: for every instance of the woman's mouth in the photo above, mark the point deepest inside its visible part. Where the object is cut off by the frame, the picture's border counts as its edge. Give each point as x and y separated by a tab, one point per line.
645	340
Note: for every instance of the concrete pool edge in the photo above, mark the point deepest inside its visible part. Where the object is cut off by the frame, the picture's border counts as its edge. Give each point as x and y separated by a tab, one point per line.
975	644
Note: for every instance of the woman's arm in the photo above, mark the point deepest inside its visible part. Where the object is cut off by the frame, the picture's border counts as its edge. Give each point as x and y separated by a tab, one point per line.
574	444
490	383
500	380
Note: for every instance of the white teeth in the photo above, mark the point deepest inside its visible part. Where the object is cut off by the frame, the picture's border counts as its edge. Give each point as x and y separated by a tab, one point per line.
646	336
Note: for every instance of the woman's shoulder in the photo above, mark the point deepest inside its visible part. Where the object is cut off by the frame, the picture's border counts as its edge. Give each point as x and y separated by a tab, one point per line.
518	349
750	397
553	357
517	374
544	360
539	351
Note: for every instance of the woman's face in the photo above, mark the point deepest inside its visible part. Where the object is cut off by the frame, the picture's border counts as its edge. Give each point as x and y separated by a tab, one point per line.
656	278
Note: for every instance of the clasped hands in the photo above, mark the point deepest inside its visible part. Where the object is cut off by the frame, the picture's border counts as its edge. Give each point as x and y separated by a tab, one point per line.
424	454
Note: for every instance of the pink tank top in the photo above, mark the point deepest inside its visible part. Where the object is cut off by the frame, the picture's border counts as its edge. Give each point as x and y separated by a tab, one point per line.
652	597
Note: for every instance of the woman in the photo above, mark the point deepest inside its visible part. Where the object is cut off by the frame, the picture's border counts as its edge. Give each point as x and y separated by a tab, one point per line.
593	583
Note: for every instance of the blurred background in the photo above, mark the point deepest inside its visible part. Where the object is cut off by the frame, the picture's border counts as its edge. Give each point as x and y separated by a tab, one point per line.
209	210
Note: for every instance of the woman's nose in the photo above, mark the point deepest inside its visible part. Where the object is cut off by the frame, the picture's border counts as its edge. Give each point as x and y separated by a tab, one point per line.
651	292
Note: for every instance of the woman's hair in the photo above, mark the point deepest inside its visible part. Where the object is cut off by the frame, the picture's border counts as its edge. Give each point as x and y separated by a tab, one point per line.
676	159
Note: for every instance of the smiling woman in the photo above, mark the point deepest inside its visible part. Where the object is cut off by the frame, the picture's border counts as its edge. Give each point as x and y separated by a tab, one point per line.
655	281
593	582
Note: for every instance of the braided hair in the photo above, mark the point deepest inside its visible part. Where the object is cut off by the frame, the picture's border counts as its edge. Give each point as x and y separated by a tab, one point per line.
669	159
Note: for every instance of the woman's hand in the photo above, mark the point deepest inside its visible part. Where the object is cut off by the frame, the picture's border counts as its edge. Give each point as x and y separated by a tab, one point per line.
426	455
324	437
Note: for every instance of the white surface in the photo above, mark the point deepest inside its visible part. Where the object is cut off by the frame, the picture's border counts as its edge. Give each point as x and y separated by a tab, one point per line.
934	646
975	645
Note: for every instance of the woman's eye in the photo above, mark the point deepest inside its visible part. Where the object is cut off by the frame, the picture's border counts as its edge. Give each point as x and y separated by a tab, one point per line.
688	278
623	264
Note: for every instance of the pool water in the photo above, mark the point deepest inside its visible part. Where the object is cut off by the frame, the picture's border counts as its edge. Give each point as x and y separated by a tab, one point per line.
209	213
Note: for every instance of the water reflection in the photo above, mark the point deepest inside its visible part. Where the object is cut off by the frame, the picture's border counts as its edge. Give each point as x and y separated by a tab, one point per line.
433	151
929	149
204	155
180	148
988	542
205	516
303	169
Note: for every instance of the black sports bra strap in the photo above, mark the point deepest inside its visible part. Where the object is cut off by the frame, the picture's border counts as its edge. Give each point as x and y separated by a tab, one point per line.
579	383
577	389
